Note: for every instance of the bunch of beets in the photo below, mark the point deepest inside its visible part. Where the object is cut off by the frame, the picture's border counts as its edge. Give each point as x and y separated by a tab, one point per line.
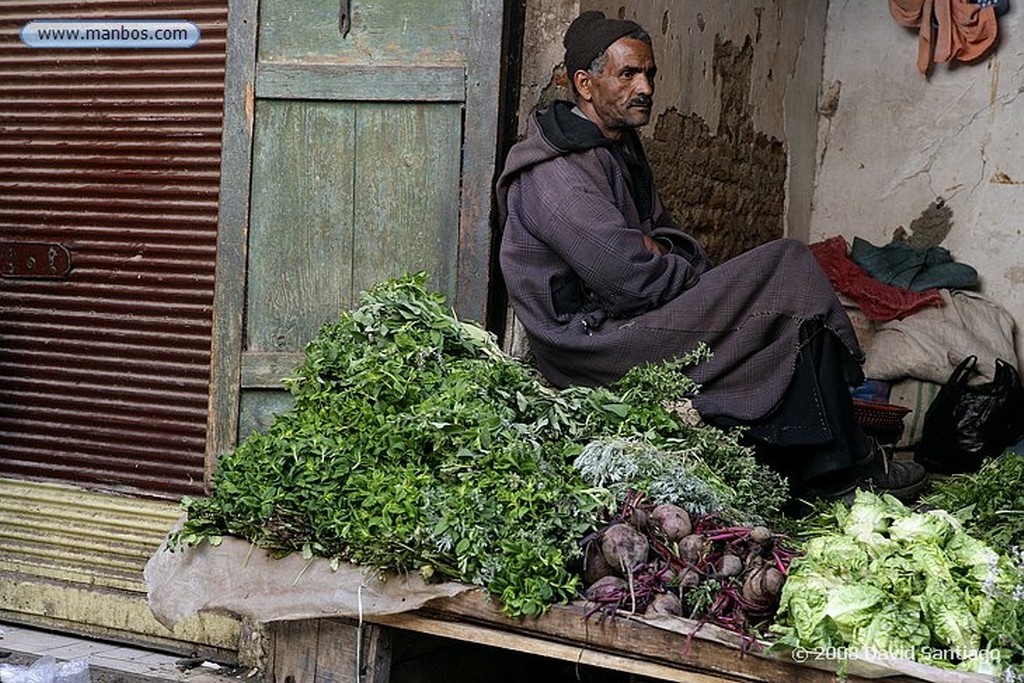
656	560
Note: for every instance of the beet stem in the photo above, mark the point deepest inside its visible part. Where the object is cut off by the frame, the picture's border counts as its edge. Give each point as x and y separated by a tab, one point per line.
779	565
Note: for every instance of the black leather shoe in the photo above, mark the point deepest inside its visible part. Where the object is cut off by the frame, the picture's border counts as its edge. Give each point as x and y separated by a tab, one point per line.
902	479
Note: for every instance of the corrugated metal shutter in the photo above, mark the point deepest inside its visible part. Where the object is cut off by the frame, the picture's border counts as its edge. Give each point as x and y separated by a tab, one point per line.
115	155
72	560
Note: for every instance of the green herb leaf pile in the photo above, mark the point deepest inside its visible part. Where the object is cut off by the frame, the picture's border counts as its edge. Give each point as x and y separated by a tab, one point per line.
696	473
416	444
990	502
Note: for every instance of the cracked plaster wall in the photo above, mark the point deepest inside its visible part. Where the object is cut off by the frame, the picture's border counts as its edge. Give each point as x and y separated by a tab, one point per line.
890	142
732	137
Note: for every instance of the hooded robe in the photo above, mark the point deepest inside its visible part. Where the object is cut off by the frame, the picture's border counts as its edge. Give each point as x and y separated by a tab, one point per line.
595	300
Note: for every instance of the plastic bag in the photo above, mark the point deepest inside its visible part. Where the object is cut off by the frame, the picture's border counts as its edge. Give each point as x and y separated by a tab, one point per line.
46	669
967	423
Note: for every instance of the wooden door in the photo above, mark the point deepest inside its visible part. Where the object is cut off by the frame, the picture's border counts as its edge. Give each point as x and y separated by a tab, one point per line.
360	145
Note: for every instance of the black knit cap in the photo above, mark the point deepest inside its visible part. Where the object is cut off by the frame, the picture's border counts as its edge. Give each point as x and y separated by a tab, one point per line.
589	35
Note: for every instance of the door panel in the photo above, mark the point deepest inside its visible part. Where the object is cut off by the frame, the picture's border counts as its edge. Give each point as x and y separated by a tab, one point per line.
344	195
406	193
382	31
356	155
301	238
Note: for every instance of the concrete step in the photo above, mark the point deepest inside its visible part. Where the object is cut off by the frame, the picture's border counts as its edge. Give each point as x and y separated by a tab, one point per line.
112	662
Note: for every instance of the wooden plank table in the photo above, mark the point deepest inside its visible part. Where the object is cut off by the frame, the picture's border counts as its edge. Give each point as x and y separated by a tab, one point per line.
620	643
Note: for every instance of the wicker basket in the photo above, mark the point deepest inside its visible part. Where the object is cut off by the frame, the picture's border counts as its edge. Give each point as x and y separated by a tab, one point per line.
884	421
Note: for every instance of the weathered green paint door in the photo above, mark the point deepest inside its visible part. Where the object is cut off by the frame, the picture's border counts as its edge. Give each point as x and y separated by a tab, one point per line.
361	146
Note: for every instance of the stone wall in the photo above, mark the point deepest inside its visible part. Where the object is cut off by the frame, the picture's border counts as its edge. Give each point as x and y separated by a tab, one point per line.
728	185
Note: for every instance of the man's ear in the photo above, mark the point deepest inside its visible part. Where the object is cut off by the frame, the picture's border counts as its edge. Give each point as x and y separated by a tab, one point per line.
582	80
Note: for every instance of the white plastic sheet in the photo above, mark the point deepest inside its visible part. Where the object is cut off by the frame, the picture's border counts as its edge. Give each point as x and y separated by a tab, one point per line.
46	669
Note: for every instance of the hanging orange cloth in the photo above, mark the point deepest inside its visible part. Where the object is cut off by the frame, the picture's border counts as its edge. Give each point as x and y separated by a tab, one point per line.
965	30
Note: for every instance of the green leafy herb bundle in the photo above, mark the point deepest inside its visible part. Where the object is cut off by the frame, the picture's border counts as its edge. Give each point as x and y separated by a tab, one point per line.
880	578
990	502
416	444
701	477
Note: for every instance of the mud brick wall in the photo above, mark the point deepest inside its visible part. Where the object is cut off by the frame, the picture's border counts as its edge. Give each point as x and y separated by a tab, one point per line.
726	186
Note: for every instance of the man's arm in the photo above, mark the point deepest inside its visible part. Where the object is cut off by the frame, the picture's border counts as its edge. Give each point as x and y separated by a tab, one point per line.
569	209
671	236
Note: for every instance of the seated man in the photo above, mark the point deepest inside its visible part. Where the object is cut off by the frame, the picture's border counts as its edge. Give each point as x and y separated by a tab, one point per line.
602	279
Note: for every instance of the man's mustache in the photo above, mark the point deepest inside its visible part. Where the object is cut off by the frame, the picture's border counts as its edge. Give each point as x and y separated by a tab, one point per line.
645	101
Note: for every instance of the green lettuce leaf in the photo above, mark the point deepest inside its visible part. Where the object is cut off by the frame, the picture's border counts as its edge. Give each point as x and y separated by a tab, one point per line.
837	555
869	520
897	628
935	527
897	575
951	622
802	609
974	559
852	606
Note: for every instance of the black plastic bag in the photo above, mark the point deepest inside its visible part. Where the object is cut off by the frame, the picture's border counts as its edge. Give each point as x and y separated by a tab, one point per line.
967	423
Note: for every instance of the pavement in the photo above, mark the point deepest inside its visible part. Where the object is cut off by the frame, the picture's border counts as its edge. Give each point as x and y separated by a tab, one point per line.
106	662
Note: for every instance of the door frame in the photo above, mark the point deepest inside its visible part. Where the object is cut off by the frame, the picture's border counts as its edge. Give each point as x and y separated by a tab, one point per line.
474	261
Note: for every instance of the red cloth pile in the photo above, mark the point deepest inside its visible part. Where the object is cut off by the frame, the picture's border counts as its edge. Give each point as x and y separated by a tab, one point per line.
878	301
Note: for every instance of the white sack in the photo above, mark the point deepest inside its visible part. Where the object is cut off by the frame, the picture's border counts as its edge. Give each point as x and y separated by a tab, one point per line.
929	344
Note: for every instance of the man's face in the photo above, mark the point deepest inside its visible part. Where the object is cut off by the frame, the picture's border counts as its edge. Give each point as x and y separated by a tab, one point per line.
620	97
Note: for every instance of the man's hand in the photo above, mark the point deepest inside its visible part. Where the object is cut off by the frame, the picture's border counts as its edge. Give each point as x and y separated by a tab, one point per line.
655	246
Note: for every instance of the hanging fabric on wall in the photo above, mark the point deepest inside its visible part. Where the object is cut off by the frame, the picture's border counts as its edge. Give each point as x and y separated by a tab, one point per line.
947	29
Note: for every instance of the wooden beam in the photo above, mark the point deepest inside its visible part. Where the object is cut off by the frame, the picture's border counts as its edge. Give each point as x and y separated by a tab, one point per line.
354	82
480	143
473	617
232	232
580	654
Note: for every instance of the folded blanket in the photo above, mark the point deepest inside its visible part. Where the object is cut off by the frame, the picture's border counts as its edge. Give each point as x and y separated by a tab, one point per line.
877	300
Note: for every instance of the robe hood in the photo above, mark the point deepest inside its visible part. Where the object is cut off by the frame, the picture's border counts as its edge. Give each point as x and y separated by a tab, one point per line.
551	133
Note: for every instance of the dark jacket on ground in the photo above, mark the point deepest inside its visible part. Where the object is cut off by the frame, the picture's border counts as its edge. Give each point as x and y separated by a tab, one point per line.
595	301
